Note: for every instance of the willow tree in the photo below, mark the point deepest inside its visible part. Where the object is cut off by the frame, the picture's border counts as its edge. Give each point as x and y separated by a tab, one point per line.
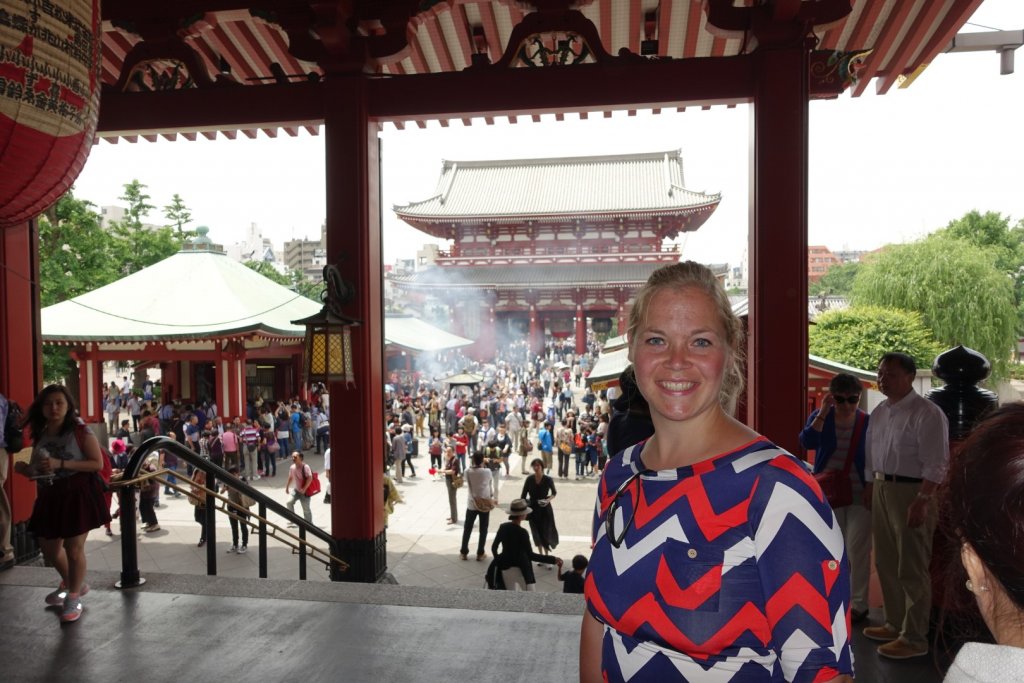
858	336
961	295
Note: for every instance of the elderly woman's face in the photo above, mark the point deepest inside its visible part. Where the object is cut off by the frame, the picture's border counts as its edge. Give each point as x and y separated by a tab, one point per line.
679	354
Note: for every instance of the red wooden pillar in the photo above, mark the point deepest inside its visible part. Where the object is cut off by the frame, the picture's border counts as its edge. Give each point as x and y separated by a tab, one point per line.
535	340
777	344
581	331
230	378
21	367
622	322
354	243
91	391
486	344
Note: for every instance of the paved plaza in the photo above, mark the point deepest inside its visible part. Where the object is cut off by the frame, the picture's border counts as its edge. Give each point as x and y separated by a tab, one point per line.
423	549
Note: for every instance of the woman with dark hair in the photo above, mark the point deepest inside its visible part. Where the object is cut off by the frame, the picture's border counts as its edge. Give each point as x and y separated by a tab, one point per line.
982	506
66	460
715	556
538	492
835	432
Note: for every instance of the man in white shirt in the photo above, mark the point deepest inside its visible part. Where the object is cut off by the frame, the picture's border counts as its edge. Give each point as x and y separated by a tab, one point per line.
907	456
327	474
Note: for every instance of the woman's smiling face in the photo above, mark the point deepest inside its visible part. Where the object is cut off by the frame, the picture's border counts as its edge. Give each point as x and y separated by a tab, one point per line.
679	353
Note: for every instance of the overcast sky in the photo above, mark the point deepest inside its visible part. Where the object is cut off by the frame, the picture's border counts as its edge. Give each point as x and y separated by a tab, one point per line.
882	169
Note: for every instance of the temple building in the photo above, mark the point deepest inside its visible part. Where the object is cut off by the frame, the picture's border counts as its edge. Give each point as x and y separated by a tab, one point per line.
242	346
544	248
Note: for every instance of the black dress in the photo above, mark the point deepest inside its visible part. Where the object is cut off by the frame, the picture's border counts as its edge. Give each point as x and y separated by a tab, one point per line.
516	551
542	519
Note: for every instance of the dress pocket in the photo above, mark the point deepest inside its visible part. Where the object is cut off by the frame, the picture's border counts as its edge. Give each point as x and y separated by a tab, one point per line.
689	576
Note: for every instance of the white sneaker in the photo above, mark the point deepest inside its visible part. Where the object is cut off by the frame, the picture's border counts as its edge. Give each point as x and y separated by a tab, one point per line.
242	550
56	598
233	549
72	609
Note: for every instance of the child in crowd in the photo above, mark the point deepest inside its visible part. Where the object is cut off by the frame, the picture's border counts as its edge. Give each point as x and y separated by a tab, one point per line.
572	581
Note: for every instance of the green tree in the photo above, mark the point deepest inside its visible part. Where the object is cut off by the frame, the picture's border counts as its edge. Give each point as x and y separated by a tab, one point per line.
178	214
961	296
75	257
293	280
858	336
992	230
838	280
136	245
305	287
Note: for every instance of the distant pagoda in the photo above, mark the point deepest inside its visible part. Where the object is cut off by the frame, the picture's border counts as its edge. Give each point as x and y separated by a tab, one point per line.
541	246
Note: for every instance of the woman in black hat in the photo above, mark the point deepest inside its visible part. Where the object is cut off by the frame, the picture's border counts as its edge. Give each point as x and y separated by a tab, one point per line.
515	557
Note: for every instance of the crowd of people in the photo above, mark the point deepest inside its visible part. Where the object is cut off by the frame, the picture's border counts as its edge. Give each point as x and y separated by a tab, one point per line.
533	407
700	522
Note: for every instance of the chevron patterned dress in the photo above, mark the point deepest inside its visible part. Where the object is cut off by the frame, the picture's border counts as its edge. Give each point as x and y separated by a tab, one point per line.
732	569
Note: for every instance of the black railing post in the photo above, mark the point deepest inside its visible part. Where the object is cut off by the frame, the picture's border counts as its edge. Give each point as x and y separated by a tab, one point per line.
263	537
130	577
211	525
302	553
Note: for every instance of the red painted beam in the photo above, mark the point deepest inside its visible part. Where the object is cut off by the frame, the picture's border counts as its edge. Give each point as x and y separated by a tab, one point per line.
419	62
636	17
868	16
210	109
438	41
940	39
893	24
911	41
495	48
222	44
693	23
718	47
463	32
537	91
605	25
443	95
664	26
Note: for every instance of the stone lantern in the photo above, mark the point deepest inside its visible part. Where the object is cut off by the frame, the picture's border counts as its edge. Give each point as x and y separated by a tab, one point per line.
961	400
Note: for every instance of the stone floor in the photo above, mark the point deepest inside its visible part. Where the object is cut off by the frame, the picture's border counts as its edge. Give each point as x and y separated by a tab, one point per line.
182	623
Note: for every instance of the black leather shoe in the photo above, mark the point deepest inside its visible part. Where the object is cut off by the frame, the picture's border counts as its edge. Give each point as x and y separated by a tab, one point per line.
857	616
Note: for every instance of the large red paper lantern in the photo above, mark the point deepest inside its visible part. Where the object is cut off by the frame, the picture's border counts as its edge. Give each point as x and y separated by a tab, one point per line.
49	100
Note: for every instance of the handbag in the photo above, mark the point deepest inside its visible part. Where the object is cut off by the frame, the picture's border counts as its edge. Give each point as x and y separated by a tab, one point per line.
565	447
457	481
836	484
484	504
314	485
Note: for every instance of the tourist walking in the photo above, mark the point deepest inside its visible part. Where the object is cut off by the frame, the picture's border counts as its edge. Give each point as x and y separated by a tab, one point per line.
300	476
479	482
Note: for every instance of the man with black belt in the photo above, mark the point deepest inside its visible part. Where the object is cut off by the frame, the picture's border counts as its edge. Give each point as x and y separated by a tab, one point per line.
908	451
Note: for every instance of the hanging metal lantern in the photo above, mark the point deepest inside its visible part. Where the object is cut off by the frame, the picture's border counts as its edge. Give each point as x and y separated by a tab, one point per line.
601	325
49	100
329	335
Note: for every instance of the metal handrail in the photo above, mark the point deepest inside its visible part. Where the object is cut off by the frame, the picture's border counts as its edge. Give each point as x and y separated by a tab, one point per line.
235	511
130	576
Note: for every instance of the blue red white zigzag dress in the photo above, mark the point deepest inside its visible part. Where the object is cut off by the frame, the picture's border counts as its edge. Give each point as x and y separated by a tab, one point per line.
732	570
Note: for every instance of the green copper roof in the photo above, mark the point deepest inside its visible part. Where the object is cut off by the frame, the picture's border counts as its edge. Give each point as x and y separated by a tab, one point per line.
190	295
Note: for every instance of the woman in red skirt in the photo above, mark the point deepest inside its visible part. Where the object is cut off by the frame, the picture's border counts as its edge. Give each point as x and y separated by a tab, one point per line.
66	461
